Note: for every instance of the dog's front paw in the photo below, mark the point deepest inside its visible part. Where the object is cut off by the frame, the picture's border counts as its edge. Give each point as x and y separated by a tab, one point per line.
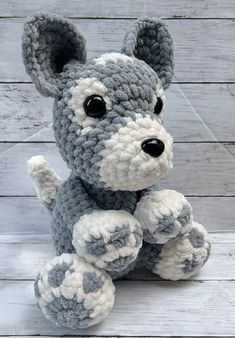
110	239
182	258
164	215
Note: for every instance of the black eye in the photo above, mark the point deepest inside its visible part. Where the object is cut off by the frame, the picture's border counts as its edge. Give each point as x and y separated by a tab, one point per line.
94	106
158	106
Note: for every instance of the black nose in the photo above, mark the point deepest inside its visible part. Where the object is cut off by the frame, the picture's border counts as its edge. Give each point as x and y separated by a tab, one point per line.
153	147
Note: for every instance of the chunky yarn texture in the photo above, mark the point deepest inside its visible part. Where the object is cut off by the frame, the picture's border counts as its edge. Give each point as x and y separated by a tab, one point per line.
108	217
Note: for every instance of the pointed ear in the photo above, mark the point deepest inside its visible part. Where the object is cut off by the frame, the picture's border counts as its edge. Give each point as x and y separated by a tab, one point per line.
49	43
149	40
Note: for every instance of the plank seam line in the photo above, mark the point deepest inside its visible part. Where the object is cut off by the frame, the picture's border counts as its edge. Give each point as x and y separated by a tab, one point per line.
173	82
186	195
228	142
108	336
84	335
123	18
131	280
97	336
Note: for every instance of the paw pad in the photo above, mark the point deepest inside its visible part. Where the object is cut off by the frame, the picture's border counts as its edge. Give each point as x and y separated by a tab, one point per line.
185	215
91	282
190	264
196	238
68	312
166	224
96	247
120	237
57	274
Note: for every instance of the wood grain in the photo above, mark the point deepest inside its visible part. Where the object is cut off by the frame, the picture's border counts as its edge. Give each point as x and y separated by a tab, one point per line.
122	8
26	115
203	48
23	261
208	169
141	309
26	220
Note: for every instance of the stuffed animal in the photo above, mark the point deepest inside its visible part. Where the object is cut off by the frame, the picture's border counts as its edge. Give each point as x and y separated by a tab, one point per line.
109	216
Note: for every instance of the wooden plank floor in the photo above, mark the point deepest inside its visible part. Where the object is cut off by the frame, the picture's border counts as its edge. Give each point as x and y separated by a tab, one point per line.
201	117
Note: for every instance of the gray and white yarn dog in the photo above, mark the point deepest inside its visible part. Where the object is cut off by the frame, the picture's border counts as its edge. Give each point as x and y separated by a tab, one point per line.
108	217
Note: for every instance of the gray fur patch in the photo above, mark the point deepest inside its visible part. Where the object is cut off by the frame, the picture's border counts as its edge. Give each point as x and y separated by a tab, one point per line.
96	247
155	49
190	264
148	237
119	263
120	237
167	222
150	255
57	274
138	236
196	238
176	238
118	274
184	216
68	312
166	225
91	282
36	288
108	199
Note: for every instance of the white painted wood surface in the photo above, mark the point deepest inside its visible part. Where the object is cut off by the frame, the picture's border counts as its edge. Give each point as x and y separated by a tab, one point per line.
141	309
201	117
204	49
122	8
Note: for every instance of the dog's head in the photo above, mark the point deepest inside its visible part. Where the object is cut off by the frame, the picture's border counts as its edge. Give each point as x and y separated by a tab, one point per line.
107	111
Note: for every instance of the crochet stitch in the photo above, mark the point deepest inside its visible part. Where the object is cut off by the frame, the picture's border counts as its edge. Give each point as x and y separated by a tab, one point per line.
108	217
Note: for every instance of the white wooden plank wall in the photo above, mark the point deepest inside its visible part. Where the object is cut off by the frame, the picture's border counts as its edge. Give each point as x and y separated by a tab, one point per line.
201	117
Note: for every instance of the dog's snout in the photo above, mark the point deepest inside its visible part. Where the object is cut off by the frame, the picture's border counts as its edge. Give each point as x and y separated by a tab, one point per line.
153	146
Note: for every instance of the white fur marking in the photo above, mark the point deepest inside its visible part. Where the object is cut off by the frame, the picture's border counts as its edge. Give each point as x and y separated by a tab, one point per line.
125	166
114	57
83	89
45	179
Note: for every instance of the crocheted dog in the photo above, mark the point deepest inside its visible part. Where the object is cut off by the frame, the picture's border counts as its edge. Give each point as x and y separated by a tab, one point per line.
108	216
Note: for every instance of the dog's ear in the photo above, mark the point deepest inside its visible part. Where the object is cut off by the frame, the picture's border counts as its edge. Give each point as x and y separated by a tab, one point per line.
49	43
149	40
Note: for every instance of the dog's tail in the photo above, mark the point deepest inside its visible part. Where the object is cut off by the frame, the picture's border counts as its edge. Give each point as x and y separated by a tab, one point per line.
46	182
